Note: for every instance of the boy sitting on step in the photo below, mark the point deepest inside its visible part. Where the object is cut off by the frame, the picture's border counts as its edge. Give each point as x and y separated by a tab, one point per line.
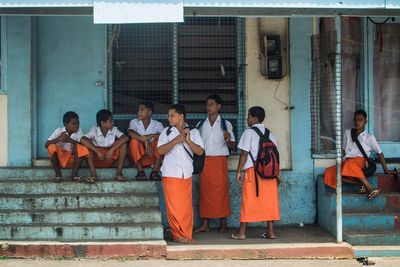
355	162
64	148
106	144
144	132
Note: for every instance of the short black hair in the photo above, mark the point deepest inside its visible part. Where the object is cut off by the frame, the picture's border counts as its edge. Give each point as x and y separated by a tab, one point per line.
102	115
68	116
179	108
148	105
257	112
361	112
216	98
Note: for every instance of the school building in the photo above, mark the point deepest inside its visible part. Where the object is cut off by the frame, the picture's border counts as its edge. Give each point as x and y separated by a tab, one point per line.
86	55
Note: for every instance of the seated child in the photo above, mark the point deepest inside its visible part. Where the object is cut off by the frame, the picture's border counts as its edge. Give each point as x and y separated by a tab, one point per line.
178	144
64	148
354	162
265	206
144	133
106	144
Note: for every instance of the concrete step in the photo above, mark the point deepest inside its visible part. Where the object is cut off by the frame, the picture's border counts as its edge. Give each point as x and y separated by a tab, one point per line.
49	187
79	232
76	201
363	221
372	238
376	251
360	202
45	173
79	216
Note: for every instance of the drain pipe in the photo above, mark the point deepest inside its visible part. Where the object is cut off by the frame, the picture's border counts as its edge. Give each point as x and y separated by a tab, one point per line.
338	129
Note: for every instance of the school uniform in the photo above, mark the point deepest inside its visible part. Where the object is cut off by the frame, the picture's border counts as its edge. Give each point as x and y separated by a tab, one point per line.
66	151
104	144
137	150
177	172
214	201
265	207
354	161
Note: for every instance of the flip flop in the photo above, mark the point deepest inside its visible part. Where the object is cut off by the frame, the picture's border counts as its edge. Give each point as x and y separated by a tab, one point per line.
266	236
77	179
90	180
141	176
374	194
56	179
237	237
119	178
363	190
154	176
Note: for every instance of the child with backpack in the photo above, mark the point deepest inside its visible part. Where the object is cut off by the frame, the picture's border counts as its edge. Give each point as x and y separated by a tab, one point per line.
179	145
218	138
259	158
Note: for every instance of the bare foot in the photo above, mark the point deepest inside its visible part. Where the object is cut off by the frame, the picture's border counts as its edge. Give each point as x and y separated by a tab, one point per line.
222	229
268	236
184	240
238	236
202	229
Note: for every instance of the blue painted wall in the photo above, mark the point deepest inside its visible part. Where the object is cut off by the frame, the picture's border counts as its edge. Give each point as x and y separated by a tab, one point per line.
70	59
19	89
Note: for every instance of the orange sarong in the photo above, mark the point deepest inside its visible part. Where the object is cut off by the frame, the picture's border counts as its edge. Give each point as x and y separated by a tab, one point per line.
98	163
265	207
137	151
351	167
214	199
178	202
65	157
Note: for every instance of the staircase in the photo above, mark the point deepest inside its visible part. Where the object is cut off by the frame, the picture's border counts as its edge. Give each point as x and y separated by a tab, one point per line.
33	208
365	222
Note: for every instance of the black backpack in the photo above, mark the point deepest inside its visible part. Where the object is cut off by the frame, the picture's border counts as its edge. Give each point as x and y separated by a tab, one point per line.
223	124
198	161
266	165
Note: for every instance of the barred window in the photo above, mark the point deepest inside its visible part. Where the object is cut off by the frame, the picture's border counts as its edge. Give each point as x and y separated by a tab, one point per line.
323	93
171	63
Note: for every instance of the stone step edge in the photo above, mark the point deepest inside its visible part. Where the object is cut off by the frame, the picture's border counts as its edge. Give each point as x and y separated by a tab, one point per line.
261	251
85	210
156	249
77	194
111	225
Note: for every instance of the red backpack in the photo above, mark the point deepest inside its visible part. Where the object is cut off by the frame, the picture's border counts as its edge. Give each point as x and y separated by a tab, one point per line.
266	165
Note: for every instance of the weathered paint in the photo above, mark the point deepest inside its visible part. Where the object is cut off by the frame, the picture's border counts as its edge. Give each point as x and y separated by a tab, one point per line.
3	130
19	90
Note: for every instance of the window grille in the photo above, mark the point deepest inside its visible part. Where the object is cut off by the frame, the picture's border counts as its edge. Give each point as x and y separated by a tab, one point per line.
170	63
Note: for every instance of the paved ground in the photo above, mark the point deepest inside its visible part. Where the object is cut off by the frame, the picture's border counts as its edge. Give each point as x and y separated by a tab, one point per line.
286	235
229	263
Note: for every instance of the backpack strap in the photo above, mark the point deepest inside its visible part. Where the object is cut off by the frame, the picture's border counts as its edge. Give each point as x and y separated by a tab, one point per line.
354	137
223	124
200	124
169	130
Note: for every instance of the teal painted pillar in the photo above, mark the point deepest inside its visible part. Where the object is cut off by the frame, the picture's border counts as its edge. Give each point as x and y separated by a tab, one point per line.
300	66
19	89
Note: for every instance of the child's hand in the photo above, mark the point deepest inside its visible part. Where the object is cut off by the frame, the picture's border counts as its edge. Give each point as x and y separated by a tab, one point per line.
63	137
109	155
279	179
143	138
149	150
187	132
100	155
239	176
227	136
180	138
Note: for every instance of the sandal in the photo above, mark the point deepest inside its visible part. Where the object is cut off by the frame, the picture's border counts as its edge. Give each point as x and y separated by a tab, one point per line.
184	240
154	176
267	236
363	190
90	180
77	179
374	194
237	237
141	176
57	179
119	178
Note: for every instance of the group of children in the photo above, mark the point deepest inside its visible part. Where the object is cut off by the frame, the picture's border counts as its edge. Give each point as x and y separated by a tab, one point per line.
171	151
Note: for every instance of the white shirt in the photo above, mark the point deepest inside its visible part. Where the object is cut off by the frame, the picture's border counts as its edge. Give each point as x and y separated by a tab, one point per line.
98	139
155	127
177	163
74	136
213	137
250	141
367	141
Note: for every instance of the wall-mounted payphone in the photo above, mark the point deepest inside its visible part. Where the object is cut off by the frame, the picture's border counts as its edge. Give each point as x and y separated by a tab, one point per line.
273	54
